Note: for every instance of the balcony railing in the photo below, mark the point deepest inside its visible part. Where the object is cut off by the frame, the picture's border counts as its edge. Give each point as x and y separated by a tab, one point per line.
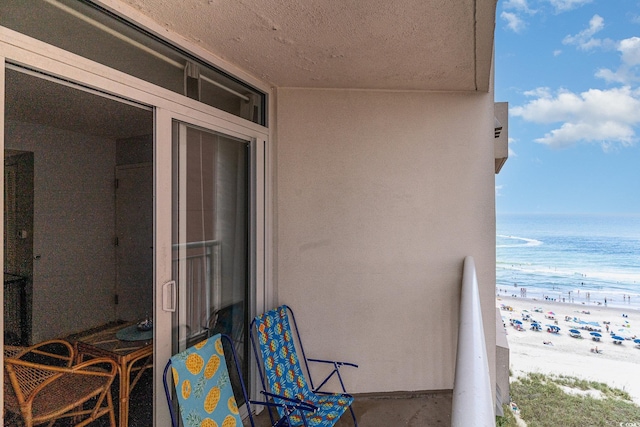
198	269
472	403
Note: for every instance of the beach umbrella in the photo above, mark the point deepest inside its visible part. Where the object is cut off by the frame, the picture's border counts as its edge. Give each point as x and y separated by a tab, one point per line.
574	331
617	338
517	322
596	334
551	313
637	341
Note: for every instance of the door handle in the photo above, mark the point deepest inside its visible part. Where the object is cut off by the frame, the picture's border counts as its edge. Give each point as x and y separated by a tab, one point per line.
169	296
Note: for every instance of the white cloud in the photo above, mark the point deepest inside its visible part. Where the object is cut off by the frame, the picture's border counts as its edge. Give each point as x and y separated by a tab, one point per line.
498	188
566	5
605	132
630	49
557	52
540	92
519	5
514	19
607	117
629	70
514	23
621	75
511	153
585	40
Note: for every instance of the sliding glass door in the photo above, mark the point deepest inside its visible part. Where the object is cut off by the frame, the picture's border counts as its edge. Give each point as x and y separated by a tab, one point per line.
200	174
210	243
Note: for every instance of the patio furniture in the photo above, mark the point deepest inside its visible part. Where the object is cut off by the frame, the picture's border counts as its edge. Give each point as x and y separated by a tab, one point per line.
203	390
281	373
132	351
41	384
229	321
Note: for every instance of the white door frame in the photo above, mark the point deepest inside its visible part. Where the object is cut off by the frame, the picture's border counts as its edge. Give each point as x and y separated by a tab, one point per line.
2	91
25	51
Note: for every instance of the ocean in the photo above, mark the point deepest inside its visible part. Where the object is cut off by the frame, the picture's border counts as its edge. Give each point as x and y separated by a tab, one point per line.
585	259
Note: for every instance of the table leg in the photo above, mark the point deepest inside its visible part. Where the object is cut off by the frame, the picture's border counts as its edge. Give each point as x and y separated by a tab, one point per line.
124	395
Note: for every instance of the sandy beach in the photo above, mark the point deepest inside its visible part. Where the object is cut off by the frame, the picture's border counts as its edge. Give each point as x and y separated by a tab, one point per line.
617	365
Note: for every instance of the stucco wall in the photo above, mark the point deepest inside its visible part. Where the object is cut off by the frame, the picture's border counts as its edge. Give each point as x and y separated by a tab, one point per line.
380	195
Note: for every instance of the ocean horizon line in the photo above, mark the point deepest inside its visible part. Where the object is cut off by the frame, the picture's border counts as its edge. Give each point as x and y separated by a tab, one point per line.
588	258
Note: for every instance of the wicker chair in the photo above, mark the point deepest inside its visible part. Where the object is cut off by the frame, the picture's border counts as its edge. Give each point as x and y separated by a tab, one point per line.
42	384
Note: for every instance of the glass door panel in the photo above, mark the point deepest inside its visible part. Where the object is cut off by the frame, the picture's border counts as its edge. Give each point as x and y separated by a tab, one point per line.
210	235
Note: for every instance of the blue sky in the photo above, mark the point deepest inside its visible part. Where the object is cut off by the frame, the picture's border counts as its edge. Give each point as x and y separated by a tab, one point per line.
570	70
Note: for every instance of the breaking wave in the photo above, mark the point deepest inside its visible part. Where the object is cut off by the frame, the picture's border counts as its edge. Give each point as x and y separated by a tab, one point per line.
520	242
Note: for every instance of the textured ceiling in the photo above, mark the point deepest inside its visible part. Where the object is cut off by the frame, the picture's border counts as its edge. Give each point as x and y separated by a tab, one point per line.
372	44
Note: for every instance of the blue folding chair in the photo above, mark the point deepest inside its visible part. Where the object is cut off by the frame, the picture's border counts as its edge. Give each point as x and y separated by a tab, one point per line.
203	388
282	374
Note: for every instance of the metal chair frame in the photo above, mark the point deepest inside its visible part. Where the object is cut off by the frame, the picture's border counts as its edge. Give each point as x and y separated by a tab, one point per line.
336	370
290	407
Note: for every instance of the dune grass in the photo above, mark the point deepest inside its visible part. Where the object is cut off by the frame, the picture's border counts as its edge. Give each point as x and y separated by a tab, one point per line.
508	420
549	400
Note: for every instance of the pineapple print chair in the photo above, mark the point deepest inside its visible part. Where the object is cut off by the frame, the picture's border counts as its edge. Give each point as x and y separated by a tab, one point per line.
281	372
203	387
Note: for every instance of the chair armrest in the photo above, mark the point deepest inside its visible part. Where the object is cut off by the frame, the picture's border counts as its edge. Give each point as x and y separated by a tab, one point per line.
288	402
289	406
85	368
40	349
337	364
95	367
335	371
284	420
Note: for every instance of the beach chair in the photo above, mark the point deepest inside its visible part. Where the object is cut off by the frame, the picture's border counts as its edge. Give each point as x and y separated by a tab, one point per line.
282	376
203	390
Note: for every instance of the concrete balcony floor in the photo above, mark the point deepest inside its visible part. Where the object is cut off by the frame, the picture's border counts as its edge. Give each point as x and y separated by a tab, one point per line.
398	409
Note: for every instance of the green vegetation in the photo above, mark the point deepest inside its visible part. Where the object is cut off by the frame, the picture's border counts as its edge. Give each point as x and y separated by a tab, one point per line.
509	420
543	402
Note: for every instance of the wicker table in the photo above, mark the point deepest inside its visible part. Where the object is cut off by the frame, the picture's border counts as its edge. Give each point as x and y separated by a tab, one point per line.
130	356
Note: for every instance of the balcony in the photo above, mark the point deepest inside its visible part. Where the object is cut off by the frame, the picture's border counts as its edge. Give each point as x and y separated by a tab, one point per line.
470	403
421	408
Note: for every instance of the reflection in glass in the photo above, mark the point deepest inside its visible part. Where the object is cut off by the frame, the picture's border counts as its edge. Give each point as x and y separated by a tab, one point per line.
210	235
91	32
